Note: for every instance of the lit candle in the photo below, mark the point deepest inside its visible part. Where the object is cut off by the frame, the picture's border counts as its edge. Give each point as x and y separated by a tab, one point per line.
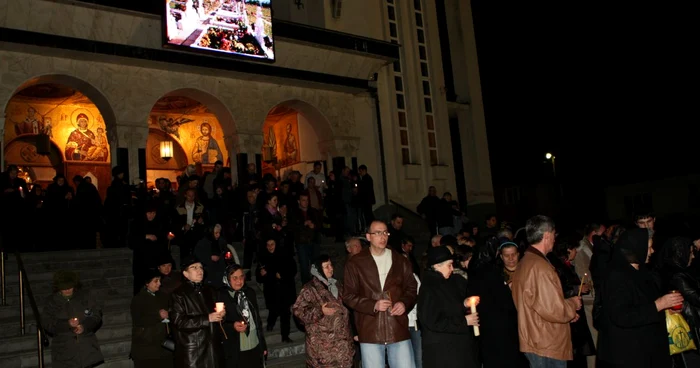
583	279
219	307
472	306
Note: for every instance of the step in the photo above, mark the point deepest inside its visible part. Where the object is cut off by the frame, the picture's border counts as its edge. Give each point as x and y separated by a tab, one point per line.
114	348
12	311
46	287
277	349
114	313
294	361
70	255
71	265
27	342
122	289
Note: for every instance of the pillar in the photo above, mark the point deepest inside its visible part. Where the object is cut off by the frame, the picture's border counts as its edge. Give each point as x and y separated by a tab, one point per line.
131	138
2	144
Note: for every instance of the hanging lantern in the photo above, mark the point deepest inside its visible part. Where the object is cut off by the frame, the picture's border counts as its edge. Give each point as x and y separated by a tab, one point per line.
166	150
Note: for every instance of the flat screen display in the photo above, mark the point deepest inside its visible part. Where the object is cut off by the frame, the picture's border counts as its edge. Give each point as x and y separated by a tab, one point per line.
236	27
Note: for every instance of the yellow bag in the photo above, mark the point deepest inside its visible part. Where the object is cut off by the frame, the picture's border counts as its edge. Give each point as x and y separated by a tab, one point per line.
679	338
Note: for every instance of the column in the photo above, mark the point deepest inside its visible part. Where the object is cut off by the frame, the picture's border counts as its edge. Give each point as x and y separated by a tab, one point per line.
231	142
131	138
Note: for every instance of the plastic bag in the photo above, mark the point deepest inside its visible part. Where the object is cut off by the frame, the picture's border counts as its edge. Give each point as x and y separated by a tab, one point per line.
679	336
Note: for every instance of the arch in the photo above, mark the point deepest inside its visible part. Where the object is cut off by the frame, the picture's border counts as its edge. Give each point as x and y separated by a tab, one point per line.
319	122
183	112
213	103
95	95
21	151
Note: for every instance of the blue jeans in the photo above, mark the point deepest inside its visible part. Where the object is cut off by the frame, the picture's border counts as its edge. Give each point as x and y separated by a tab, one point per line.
307	253
416	342
400	355
537	361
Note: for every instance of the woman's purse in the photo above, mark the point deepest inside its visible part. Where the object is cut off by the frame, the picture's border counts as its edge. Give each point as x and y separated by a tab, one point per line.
169	343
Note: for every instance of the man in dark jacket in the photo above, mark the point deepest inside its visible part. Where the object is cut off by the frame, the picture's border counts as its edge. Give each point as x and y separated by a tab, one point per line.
197	340
380	289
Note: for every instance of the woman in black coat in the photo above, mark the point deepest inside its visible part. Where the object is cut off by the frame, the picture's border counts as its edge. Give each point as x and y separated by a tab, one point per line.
276	271
242	322
676	259
447	337
499	343
634	332
149	311
581	339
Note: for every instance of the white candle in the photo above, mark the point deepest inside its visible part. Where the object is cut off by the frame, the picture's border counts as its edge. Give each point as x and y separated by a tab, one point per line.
472	305
219	307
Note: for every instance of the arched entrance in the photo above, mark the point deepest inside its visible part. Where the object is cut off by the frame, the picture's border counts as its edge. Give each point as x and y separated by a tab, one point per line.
197	124
53	128
292	132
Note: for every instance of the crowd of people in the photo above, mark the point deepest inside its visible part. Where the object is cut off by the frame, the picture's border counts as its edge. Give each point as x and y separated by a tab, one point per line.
480	296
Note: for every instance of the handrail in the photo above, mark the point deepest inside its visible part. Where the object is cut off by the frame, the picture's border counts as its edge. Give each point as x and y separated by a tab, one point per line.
399	205
42	340
3	293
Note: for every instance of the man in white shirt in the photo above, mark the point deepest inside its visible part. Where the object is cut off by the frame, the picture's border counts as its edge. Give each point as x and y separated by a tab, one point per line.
318	175
380	288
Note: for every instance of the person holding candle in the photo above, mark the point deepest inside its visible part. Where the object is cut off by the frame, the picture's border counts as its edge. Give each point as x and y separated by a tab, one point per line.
195	321
563	258
72	317
149	318
544	313
245	346
447	328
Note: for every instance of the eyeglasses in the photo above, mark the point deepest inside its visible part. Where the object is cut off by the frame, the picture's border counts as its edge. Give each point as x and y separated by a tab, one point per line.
380	233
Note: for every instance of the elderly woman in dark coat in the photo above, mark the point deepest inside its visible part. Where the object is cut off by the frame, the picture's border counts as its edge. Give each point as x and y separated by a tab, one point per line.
320	307
194	320
245	346
633	332
448	340
149	314
72	317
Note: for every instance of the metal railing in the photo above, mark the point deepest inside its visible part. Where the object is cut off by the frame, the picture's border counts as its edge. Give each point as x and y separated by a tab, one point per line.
41	339
3	292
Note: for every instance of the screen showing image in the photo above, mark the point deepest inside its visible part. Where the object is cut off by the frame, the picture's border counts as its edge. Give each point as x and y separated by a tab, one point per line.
237	27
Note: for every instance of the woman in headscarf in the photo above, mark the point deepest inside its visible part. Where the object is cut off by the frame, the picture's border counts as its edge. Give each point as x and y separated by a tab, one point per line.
500	345
633	332
149	315
448	340
677	255
210	250
71	317
320	308
245	346
276	271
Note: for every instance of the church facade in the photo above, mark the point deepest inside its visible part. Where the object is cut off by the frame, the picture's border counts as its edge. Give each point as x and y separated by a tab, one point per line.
390	84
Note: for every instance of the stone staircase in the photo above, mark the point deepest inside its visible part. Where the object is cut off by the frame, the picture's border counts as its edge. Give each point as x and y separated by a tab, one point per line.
106	273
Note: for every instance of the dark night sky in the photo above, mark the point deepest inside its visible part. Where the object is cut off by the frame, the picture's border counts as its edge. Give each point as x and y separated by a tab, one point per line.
555	79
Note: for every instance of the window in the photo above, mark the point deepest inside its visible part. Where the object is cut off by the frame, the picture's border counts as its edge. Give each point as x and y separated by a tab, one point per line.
428	105
398	83
426	88
391	12
511	196
421	36
392	30
422	54
419	19
402	119
400	104
424	69
397	65
416	4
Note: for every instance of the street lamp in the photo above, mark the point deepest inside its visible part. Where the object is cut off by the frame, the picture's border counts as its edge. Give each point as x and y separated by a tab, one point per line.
550	156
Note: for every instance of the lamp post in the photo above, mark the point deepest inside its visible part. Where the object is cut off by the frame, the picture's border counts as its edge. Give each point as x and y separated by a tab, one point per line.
553	158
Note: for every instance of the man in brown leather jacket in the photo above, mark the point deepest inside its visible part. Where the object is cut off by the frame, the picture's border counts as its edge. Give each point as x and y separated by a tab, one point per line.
380	289
543	313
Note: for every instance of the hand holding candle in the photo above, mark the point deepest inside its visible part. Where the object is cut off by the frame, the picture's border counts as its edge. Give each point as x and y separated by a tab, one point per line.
473	301
221	310
583	279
